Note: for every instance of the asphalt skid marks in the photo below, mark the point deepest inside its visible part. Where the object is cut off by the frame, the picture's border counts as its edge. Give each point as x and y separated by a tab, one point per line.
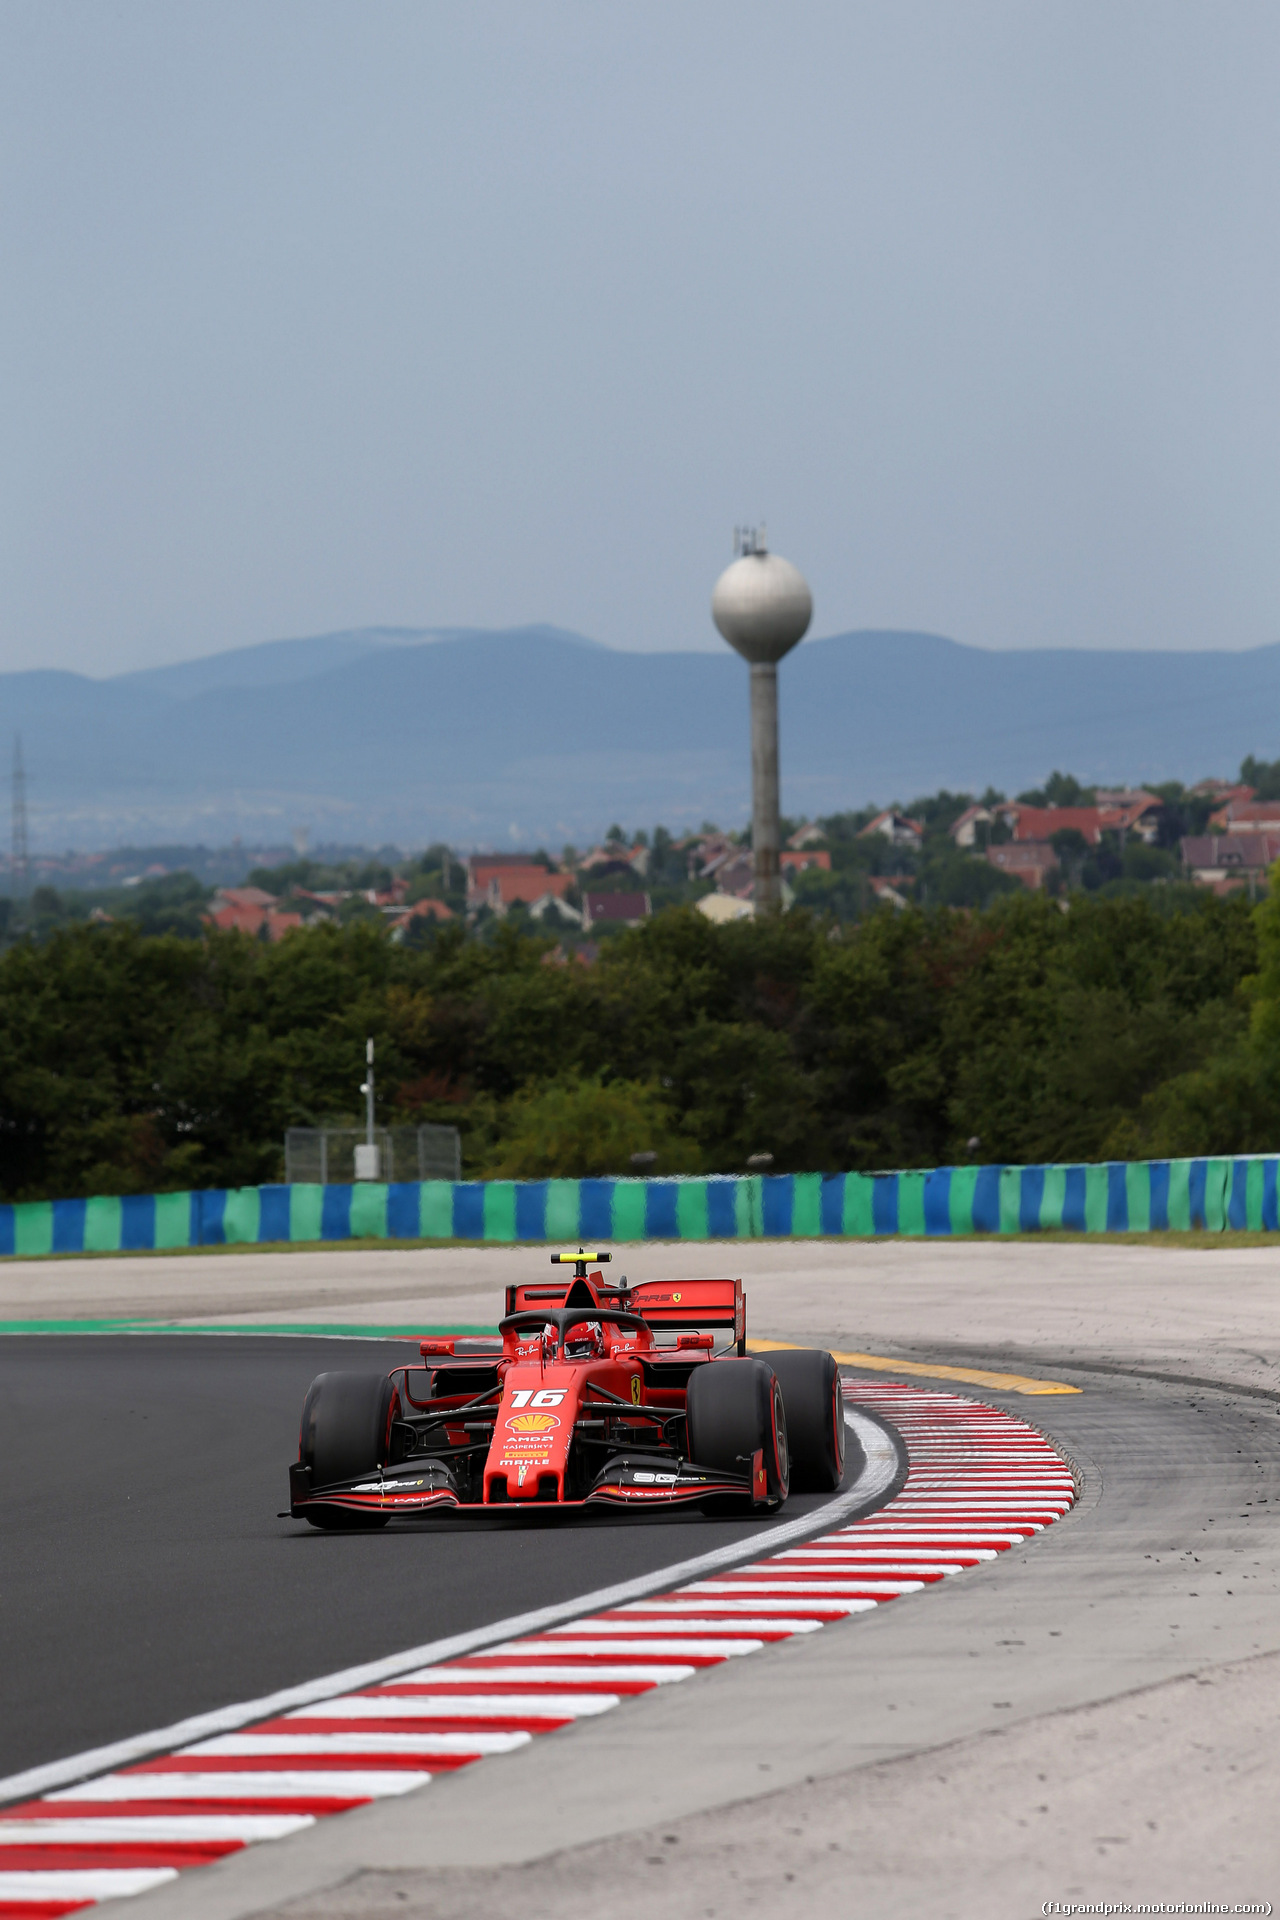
979	1482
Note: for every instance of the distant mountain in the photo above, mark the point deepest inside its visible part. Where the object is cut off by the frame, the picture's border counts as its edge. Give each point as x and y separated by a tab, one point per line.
537	735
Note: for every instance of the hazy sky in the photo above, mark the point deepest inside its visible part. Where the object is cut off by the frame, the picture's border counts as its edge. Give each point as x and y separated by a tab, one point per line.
321	315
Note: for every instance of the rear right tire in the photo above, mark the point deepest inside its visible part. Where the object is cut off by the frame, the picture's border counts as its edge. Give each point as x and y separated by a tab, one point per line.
735	1408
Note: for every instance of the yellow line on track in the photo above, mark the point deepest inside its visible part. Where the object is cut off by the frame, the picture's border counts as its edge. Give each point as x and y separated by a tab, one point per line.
971	1376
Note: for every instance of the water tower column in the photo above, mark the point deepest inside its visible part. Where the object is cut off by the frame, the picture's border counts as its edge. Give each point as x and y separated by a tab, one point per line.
766	831
763	607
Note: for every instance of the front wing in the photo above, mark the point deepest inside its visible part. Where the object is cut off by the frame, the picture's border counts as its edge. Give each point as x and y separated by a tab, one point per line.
417	1486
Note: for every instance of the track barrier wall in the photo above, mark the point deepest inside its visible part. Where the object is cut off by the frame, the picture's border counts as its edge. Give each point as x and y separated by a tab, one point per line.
1119	1197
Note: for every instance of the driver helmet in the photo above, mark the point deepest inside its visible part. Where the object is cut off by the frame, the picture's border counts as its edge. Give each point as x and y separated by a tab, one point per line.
584	1341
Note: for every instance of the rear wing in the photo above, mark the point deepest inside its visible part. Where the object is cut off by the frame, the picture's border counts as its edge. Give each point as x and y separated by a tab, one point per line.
668	1306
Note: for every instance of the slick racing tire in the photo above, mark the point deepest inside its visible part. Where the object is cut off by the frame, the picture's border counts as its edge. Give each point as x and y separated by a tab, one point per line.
734	1408
811	1393
346	1424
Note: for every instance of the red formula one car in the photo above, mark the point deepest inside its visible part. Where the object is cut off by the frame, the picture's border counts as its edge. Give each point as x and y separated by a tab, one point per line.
576	1402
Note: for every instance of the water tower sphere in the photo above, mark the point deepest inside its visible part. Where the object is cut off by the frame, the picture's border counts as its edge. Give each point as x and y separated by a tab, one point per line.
763	606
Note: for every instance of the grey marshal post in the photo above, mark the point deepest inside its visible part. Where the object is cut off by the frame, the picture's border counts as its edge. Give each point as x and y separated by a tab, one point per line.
763	606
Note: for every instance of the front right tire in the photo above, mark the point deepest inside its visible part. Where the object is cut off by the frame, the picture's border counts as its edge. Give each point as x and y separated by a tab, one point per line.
733	1409
346	1429
814	1399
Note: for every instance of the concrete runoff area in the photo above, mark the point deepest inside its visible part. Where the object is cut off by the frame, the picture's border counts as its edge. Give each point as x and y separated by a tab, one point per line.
1093	1716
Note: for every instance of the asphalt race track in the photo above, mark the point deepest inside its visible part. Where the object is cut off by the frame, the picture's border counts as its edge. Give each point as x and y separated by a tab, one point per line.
1096	1715
147	1576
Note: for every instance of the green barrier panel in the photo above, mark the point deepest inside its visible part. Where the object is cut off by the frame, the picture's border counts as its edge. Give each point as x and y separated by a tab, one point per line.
691	1210
1179	1211
1137	1183
1095	1199
964	1181
911	1203
1053	1198
1255	1175
748	1207
173	1219
563	1210
240	1216
500	1210
435	1210
102	1224
306	1209
1216	1182
1010	1199
33	1227
369	1210
628	1210
806	1205
859	1199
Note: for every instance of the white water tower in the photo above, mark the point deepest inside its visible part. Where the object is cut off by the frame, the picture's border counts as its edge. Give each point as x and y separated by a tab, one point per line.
763	606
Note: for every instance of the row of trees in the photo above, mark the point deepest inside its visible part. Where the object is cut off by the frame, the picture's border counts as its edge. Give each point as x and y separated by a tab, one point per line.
134	1063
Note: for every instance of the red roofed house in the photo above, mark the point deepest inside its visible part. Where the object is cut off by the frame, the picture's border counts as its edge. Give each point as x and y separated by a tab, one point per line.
1028	861
620	909
402	919
900	828
1224	860
1247	816
800	862
1041	823
249	910
500	887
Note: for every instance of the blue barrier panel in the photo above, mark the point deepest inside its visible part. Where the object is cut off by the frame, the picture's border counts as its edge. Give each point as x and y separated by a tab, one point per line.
778	1198
661	1221
1030	1196
1197	1181
1117	1198
937	1200
403	1209
722	1212
335	1213
468	1210
884	1203
531	1210
1159	1196
1075	1194
1269	1213
986	1200
832	1203
273	1214
595	1210
1237	1202
7	1235
213	1205
137	1222
68	1226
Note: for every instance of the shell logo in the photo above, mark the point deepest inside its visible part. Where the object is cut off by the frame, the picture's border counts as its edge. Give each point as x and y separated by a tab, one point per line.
533	1423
